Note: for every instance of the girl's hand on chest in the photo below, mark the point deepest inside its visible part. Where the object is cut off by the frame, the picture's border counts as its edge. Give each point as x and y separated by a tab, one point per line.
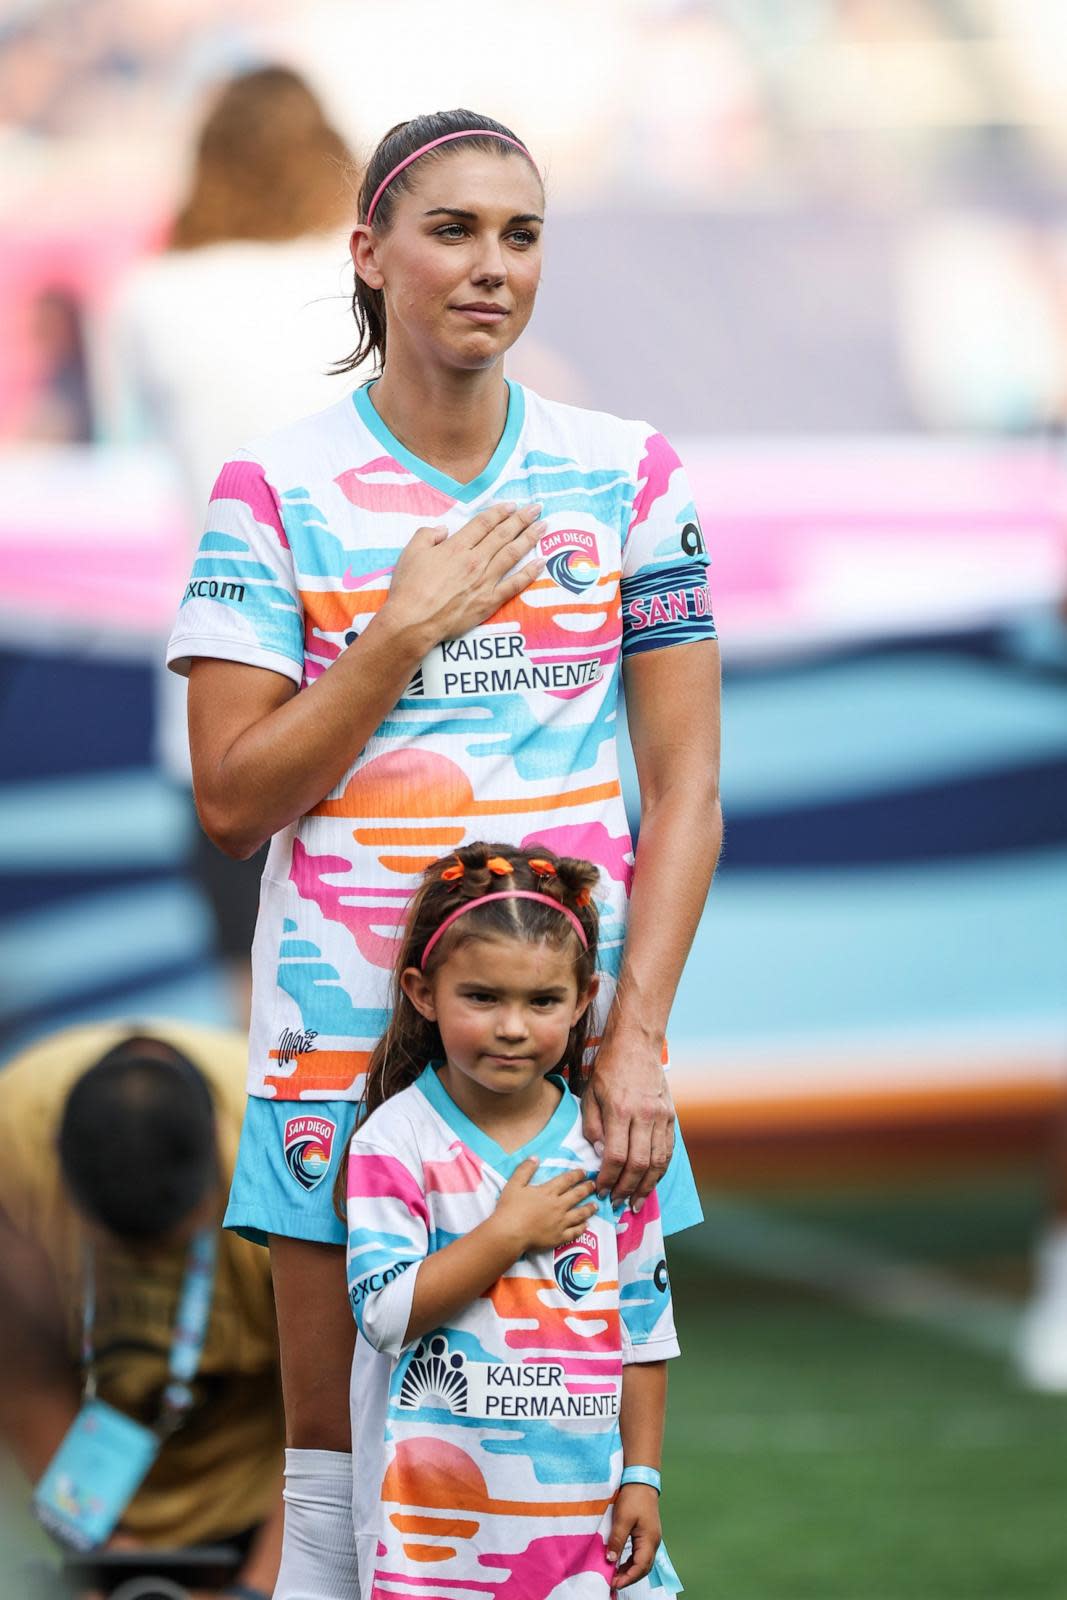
543	1216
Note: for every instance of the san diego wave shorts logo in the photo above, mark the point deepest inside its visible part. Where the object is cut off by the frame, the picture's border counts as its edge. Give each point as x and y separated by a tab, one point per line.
571	558
577	1265
435	1377
308	1145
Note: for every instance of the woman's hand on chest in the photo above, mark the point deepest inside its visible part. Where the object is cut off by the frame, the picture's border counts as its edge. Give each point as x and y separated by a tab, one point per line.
444	586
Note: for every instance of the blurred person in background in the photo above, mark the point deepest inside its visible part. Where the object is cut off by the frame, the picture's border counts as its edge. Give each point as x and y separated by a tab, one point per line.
410	611
227	334
60	412
119	1147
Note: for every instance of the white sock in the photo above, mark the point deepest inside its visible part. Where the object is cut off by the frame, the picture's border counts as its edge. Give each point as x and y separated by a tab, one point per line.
319	1544
1051	1262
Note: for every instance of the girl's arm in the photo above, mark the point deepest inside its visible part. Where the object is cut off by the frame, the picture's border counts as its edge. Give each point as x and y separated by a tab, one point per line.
672	703
648	1343
636	1517
399	1291
527	1217
264	754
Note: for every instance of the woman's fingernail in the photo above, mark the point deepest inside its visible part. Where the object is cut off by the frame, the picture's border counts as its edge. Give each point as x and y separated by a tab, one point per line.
598	1147
636	1206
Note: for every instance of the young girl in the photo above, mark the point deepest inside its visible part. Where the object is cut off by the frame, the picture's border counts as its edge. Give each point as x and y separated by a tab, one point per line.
509	1378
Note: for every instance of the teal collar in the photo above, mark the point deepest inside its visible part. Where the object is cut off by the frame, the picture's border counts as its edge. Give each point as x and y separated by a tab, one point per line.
503	1161
430	475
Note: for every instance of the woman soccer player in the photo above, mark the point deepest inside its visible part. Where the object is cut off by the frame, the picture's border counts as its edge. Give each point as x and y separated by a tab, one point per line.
410	613
510	1374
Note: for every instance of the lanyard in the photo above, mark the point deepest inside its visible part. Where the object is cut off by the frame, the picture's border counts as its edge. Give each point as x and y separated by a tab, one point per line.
187	1340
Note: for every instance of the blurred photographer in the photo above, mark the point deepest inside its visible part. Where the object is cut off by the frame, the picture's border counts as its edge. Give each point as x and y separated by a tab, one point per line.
139	1385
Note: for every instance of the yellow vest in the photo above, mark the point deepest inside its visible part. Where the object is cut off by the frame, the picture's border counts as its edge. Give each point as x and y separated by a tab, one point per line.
222	1472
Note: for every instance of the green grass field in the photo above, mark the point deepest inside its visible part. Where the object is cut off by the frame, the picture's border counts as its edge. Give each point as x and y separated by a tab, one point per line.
844	1424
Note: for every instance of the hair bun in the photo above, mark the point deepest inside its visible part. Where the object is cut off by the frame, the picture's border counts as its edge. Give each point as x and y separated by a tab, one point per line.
579	878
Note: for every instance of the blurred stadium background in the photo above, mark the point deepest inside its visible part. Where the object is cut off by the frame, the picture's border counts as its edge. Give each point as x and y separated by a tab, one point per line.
823	245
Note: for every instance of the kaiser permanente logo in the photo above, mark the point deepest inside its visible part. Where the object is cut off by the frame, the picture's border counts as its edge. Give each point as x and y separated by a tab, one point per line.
439	1378
494	661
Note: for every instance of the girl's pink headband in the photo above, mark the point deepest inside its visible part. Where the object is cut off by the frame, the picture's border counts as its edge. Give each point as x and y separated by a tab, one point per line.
504	894
446	138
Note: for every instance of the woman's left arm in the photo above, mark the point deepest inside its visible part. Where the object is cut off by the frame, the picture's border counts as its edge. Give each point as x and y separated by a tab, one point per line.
672	705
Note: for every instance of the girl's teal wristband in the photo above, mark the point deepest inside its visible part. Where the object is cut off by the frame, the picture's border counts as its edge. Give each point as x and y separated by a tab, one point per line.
646	1475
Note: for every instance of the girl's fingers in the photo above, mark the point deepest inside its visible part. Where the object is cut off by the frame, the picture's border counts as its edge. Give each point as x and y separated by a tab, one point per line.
567	1180
524	1172
622	1525
638	1563
575	1179
573	1229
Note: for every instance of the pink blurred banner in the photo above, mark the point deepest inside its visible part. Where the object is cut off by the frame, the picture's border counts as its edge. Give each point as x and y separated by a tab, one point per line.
811	541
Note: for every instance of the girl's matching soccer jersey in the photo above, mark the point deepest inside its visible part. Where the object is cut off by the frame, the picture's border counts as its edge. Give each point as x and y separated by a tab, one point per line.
486	1454
506	733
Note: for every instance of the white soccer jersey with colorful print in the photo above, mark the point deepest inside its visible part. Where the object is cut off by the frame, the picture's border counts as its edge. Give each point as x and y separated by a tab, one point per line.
507	733
486	1454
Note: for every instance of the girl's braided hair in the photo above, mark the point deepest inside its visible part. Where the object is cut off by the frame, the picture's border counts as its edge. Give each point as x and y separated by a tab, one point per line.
411	1040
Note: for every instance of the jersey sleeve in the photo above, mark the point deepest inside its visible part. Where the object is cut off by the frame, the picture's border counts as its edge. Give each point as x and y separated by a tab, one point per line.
647	1314
388	1239
241	602
665	594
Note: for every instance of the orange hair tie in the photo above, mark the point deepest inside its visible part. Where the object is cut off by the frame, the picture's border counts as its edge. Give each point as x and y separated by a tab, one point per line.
544	869
502	868
584	898
451	874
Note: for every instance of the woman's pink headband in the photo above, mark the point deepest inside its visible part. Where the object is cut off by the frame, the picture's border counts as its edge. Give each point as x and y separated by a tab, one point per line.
504	894
446	138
